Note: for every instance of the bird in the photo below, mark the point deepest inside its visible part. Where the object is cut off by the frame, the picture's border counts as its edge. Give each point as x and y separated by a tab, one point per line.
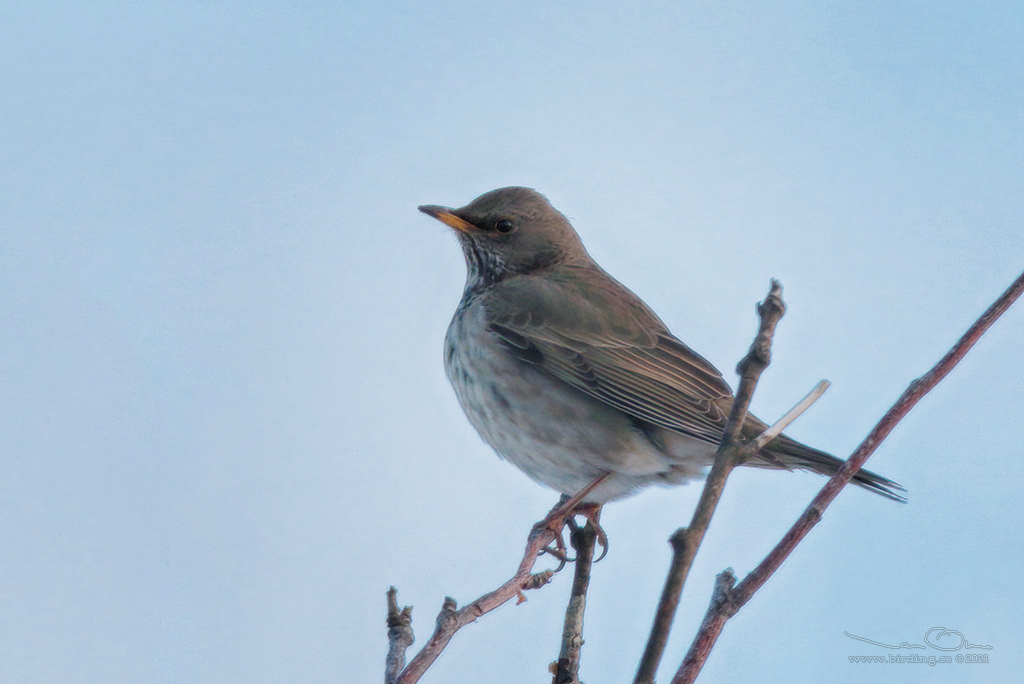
571	377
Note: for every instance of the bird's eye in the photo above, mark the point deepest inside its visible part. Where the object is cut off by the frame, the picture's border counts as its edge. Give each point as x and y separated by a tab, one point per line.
504	226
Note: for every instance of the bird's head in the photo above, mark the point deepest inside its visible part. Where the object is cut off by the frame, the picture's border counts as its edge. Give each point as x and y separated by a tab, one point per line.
510	231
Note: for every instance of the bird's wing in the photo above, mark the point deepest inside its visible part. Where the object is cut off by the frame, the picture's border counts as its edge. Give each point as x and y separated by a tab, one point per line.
598	337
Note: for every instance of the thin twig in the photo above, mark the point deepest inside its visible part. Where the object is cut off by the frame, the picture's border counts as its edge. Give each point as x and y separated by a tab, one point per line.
720	611
667	606
584	540
451	618
750	367
400	636
680	557
731	452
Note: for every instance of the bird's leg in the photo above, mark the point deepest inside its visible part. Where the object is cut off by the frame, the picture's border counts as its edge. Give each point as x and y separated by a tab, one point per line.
556	519
559	513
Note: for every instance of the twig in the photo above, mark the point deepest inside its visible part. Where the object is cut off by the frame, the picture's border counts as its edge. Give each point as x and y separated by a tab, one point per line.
731	452
583	540
722	609
451	618
750	367
400	636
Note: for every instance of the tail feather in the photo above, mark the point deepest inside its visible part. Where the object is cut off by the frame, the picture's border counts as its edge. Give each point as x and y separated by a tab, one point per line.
784	452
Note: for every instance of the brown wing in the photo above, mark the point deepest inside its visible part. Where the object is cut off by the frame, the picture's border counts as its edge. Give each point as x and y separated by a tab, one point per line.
596	336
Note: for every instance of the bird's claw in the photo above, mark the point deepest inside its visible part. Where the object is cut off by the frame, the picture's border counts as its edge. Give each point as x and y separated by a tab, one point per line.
559	554
592	512
602	541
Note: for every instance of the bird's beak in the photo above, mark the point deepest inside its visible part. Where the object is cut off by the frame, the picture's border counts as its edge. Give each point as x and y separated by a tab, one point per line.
445	216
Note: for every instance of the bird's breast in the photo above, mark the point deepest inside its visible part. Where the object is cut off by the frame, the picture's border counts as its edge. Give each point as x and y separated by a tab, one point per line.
549	430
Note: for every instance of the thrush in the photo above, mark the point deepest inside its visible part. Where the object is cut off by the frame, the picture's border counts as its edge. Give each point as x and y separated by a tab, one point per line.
570	376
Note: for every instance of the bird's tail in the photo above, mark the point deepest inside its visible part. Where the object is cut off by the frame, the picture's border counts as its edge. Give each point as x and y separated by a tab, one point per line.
784	452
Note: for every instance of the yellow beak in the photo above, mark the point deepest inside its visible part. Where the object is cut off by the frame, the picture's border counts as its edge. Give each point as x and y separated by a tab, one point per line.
445	216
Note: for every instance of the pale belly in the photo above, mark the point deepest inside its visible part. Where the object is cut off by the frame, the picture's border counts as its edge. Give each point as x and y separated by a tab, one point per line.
558	436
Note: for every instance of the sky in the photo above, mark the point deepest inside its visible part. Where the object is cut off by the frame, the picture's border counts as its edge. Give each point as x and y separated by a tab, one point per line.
225	428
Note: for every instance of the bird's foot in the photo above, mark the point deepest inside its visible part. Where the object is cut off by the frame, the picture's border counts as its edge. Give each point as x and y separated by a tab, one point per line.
592	512
563	513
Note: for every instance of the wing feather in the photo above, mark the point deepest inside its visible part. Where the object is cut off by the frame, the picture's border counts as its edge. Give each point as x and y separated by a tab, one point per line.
603	341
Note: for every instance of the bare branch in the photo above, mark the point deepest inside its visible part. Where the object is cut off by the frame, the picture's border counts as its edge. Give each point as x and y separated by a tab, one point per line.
721	610
667	606
731	452
451	619
753	364
584	540
400	636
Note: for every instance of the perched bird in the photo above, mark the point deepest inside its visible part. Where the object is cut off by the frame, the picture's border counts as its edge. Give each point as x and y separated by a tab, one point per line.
569	375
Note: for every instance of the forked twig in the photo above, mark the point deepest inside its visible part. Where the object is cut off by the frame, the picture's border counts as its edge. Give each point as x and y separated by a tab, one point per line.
731	452
727	598
452	618
400	636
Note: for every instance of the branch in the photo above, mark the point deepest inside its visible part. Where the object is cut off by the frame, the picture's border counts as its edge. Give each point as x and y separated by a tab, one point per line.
400	636
451	618
731	452
733	598
584	540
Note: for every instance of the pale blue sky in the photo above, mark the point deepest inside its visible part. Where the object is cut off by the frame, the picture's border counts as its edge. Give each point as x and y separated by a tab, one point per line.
224	424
